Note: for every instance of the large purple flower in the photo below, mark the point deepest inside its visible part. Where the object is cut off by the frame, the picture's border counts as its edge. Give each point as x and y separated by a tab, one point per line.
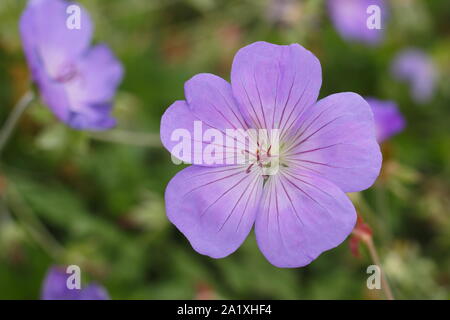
416	67
350	19
326	148
388	119
55	288
76	81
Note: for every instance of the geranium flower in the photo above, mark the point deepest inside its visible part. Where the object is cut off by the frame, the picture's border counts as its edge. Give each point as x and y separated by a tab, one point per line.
350	19
415	67
326	148
77	82
55	288
388	119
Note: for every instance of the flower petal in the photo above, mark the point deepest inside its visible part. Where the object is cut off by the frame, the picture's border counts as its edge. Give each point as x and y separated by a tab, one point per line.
92	116
351	18
76	114
211	100
53	94
336	140
274	84
301	216
55	288
94	292
416	67
100	74
185	136
90	91
178	117
388	119
46	37
214	208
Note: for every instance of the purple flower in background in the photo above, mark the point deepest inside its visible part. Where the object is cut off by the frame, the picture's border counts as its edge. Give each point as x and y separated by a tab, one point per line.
416	67
326	148
55	288
350	18
76	81
388	119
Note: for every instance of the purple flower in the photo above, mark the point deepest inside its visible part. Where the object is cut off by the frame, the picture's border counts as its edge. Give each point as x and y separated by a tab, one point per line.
415	67
76	81
326	148
55	288
388	119
350	18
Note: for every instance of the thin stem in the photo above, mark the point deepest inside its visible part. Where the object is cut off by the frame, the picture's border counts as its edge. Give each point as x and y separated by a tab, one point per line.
383	207
14	117
34	226
376	260
374	219
126	137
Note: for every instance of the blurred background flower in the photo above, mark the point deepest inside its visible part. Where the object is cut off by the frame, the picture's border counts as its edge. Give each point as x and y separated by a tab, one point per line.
352	18
388	119
416	68
75	81
55	287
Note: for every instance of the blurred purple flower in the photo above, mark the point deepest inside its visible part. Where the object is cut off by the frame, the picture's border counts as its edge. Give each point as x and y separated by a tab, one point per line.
76	81
55	288
327	147
416	67
350	19
388	119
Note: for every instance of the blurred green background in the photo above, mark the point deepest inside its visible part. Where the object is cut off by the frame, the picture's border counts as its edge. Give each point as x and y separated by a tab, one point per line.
79	198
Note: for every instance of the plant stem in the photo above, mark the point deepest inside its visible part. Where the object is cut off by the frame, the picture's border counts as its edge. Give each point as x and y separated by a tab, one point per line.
14	117
126	137
34	226
383	207
376	260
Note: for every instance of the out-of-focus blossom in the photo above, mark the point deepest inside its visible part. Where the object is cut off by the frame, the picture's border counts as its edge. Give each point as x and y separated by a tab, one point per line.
55	288
350	18
292	190
76	81
388	119
415	67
